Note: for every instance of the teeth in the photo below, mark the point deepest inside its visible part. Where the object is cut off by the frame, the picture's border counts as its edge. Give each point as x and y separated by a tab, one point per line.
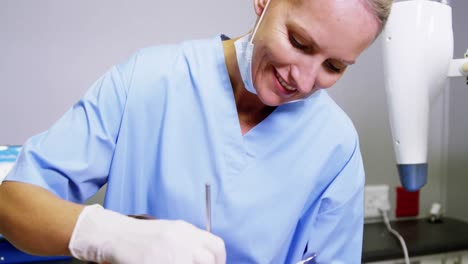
284	84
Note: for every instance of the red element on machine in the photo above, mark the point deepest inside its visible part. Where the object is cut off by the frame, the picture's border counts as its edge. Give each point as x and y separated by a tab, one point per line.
407	203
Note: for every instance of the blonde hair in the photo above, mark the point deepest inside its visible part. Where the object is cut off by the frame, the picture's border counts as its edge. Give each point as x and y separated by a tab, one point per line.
381	10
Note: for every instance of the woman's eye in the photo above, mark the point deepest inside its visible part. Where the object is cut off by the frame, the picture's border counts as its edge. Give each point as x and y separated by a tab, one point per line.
332	67
296	43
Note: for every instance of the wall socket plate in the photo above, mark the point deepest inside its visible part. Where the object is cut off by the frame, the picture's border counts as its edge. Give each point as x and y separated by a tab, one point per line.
375	198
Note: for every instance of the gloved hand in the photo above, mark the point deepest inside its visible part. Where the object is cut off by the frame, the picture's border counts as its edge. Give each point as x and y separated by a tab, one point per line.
101	235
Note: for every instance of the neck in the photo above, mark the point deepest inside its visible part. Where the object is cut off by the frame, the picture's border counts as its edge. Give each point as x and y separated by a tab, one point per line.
250	109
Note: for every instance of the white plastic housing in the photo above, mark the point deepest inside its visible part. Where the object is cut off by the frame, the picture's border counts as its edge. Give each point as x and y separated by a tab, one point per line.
418	48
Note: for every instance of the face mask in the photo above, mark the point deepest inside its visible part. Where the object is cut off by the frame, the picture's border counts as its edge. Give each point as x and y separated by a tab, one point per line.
244	49
244	53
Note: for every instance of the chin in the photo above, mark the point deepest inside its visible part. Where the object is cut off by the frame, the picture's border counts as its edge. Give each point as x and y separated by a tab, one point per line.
271	100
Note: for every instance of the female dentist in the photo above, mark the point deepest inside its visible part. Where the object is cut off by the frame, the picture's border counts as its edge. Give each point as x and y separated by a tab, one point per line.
250	116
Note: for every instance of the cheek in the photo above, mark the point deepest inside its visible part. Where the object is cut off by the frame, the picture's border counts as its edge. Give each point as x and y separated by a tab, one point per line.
276	54
327	79
283	54
262	68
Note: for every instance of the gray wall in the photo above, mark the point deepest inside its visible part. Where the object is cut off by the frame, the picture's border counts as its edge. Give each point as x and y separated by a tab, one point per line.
457	181
52	50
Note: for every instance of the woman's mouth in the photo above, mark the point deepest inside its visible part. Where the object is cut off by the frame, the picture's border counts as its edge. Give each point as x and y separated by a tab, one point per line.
288	89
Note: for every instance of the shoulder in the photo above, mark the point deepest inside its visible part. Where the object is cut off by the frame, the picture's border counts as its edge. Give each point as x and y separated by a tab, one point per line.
163	57
154	63
327	120
344	171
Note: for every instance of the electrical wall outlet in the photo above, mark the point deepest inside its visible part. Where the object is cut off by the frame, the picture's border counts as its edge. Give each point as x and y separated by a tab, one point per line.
375	198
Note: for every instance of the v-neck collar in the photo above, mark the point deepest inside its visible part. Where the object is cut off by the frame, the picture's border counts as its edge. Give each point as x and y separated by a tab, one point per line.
258	138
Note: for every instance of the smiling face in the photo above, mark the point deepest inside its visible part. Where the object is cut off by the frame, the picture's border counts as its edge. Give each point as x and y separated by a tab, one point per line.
305	45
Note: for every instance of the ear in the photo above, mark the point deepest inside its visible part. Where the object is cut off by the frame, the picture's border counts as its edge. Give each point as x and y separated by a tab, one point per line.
259	6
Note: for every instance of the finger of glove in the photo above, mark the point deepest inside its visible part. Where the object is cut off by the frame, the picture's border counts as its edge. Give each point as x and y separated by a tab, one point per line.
203	256
207	240
215	245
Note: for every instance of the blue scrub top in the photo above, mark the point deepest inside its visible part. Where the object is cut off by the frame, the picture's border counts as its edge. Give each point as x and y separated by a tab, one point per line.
159	126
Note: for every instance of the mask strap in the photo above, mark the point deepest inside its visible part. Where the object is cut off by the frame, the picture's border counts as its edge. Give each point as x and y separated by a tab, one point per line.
259	22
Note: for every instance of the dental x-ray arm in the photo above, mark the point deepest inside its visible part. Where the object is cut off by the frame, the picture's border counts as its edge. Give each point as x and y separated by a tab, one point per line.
418	50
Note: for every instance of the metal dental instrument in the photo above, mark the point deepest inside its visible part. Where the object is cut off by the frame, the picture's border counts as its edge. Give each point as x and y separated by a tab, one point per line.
208	206
308	260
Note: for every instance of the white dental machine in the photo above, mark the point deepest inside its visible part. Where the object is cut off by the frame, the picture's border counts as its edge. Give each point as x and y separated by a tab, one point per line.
418	50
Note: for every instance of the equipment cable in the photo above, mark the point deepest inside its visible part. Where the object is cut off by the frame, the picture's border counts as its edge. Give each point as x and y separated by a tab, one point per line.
395	233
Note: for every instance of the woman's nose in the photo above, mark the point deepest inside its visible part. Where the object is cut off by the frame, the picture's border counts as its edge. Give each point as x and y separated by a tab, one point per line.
305	75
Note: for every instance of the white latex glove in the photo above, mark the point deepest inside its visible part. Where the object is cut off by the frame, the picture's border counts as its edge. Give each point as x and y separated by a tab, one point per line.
101	235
